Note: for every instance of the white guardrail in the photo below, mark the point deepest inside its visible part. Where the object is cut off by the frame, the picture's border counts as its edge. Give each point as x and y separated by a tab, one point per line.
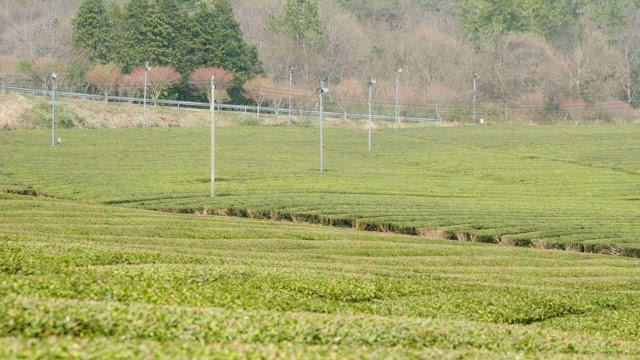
227	107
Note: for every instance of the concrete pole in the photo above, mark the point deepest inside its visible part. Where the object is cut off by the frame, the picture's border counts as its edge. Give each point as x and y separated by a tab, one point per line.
290	92
370	122
398	72
213	137
322	91
475	79
144	118
53	110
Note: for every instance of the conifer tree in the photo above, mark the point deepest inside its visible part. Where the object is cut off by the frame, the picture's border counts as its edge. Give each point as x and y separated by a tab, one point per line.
92	29
146	35
218	41
177	19
301	20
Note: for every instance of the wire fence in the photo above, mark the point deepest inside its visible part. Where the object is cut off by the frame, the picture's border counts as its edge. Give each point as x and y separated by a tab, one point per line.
219	106
410	112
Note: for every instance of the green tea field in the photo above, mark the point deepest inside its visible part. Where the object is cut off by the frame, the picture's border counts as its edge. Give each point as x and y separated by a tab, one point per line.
81	280
567	187
89	268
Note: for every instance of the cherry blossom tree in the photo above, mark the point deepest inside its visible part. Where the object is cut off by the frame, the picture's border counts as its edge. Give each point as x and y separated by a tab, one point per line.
201	80
159	79
106	78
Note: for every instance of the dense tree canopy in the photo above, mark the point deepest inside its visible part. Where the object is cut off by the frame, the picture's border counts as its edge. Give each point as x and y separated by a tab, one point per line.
162	32
546	54
92	29
301	20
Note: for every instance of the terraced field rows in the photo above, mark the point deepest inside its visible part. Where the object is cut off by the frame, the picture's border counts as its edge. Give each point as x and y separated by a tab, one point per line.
113	282
569	187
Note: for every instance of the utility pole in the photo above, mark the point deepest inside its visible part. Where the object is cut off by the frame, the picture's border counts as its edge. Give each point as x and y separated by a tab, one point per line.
54	76
144	118
322	90
290	91
475	79
370	123
398	72
213	136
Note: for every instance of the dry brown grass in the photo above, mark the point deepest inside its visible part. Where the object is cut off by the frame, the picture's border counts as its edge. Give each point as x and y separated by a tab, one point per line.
12	107
98	114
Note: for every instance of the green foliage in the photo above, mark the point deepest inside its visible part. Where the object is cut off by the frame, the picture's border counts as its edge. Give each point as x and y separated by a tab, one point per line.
92	30
301	21
39	116
558	21
146	36
85	280
545	186
85	272
163	33
611	16
217	41
25	65
386	10
178	38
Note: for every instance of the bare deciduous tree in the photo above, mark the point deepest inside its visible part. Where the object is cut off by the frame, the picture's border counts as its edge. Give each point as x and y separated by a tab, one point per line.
132	84
260	90
201	79
349	90
159	79
304	98
441	96
40	70
8	70
106	78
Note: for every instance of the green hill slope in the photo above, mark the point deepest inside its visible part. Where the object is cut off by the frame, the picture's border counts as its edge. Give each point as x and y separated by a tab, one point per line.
562	187
106	282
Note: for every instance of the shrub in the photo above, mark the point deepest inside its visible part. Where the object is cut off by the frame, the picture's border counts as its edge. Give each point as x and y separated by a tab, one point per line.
39	116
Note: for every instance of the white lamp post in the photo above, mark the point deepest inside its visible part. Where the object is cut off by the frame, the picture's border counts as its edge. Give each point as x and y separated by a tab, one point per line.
54	85
475	79
144	118
213	136
372	82
398	72
322	90
290	90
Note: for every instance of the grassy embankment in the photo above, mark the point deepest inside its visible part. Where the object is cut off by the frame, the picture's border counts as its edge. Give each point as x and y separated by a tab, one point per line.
566	187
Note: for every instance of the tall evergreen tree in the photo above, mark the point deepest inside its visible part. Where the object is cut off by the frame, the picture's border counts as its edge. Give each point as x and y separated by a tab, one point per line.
177	19
217	40
161	32
559	21
117	24
92	29
301	20
134	41
146	35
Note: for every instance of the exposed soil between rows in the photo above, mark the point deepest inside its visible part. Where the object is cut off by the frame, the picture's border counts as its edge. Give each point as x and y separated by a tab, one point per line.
432	233
362	225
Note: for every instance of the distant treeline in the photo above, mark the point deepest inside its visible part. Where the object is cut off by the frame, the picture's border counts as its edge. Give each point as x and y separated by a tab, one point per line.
541	58
163	33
